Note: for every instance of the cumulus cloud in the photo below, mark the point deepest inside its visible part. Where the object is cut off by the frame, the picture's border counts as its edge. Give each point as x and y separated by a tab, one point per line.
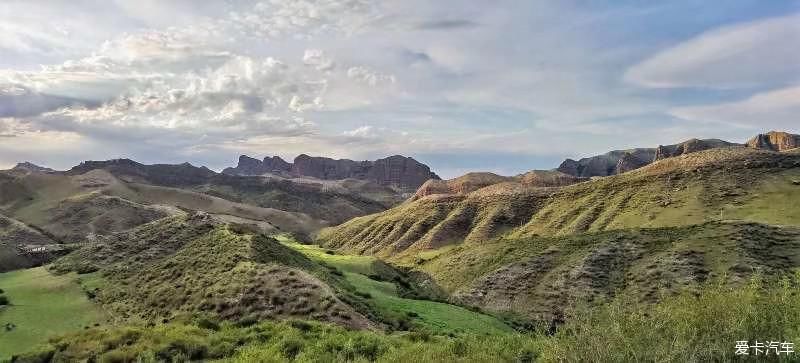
184	83
742	55
363	131
318	59
778	109
369	76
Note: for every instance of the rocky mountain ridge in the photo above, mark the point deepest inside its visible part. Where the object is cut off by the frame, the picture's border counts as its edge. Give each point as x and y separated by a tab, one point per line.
775	141
621	161
397	170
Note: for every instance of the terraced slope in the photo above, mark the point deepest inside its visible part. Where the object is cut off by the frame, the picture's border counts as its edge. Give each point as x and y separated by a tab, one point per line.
729	183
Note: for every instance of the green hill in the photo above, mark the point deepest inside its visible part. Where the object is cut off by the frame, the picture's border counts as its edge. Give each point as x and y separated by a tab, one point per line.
730	183
509	248
197	264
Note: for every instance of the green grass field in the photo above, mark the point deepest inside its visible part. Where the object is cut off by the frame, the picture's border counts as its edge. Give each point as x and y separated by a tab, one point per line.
434	316
43	305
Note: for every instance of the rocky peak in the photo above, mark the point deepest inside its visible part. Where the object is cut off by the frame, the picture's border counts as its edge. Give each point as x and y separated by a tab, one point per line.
610	163
689	146
397	170
31	168
775	141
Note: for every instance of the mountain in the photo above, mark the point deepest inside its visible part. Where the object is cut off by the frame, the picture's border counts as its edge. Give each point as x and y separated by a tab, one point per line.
32	168
327	201
397	171
621	161
664	227
171	175
776	141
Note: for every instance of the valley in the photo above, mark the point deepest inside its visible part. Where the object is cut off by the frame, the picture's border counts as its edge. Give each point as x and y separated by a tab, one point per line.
181	263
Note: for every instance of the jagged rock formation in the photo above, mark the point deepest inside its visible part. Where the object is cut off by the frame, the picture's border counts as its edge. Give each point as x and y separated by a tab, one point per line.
622	161
775	141
689	146
251	166
399	171
611	163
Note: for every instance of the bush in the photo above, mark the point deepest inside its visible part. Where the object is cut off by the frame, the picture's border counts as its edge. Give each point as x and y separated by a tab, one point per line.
4	300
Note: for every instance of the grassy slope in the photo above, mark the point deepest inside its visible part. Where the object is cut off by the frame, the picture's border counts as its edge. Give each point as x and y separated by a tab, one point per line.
683	328
538	251
44	305
191	265
695	188
432	316
541	277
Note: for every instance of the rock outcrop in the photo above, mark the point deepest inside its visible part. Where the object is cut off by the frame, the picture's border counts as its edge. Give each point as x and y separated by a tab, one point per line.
689	146
775	141
252	166
399	171
611	163
621	161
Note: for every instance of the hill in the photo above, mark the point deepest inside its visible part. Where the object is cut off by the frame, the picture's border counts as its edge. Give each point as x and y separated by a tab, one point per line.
198	264
738	183
331	202
536	251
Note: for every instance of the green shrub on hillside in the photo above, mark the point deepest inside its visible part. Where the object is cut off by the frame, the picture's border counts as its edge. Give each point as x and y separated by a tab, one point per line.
683	328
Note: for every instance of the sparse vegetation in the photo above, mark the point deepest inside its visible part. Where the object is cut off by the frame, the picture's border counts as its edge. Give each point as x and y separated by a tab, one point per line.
683	328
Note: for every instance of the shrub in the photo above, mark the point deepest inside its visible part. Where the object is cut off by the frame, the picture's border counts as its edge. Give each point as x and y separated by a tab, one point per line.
4	300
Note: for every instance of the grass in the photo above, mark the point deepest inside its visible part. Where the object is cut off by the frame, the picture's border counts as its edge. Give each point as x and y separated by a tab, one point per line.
776	201
739	184
432	316
42	305
687	327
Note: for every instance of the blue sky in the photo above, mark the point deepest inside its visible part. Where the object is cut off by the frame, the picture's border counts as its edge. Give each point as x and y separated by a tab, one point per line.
504	86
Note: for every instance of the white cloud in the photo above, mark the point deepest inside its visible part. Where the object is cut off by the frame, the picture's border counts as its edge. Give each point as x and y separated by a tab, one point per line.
318	59
774	109
741	55
363	131
369	76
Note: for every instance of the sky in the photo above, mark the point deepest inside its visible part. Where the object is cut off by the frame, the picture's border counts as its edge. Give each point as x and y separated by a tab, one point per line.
502	86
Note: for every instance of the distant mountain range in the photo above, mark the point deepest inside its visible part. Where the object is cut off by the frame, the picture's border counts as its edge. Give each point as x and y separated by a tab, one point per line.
620	161
398	171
